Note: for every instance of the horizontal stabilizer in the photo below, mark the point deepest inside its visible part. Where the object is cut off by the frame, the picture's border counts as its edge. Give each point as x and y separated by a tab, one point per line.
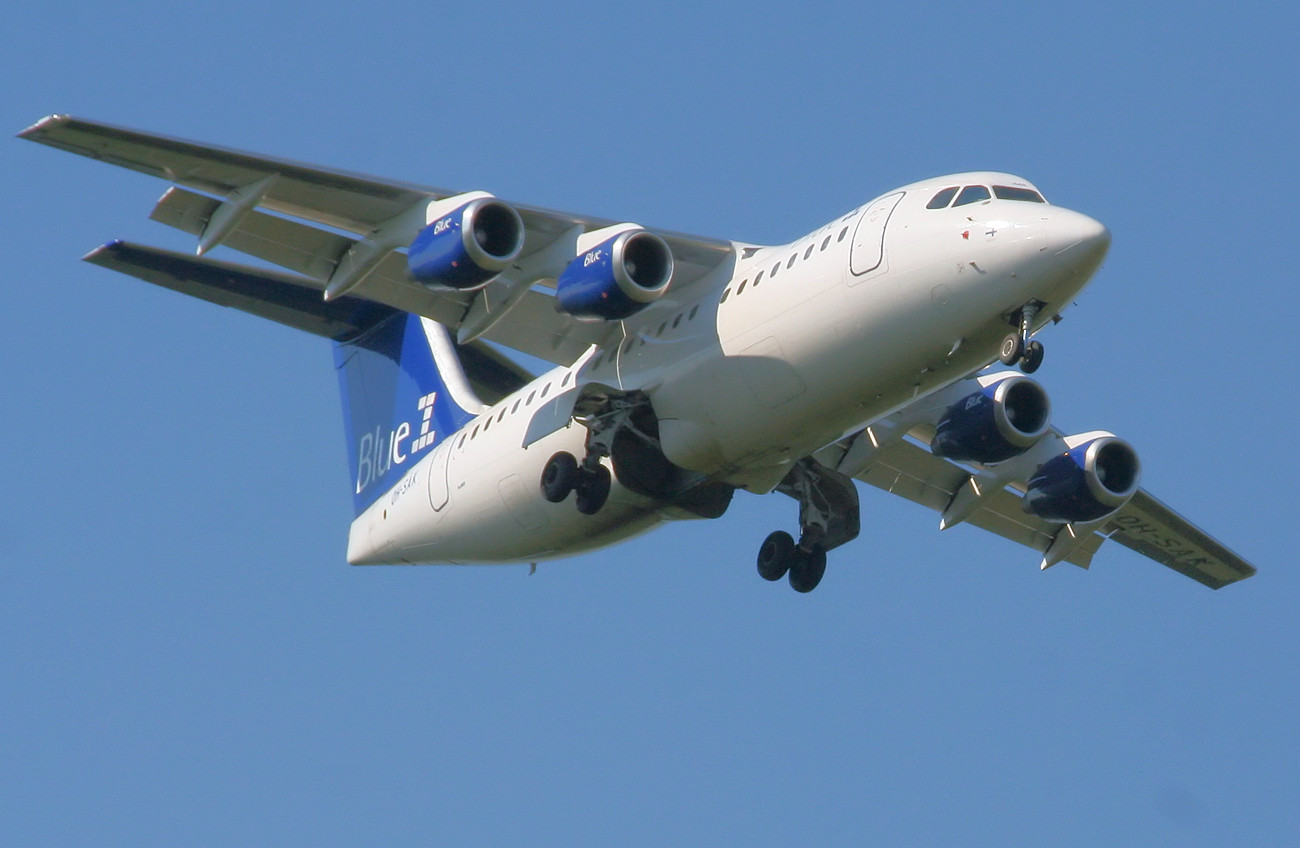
289	300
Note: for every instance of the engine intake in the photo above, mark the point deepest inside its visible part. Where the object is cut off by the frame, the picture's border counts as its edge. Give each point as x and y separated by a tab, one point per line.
1001	420
1086	483
617	278
467	247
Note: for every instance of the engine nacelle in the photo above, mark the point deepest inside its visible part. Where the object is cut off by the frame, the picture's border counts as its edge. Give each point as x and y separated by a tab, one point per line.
617	278
468	246
1086	483
1001	420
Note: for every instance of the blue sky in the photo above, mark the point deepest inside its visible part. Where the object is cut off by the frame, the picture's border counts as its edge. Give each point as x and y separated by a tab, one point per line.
186	658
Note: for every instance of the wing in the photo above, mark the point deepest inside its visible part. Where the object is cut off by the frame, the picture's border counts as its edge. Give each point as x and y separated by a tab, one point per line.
342	231
894	455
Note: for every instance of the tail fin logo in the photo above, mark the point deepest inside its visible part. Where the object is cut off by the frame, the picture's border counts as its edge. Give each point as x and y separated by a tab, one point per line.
377	454
427	435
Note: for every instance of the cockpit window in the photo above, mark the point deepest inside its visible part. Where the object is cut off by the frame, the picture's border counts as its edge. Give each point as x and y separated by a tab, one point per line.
942	199
972	194
1012	193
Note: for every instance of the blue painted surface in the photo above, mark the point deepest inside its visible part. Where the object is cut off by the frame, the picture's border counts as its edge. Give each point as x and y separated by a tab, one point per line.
587	288
438	255
389	382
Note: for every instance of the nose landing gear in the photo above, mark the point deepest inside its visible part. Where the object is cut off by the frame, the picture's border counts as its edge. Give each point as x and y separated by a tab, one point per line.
1017	347
828	517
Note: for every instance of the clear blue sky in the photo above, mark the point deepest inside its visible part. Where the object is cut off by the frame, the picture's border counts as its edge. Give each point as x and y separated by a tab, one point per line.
185	658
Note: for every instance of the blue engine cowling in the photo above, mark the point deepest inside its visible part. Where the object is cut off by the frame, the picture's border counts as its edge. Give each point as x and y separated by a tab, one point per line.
1001	420
467	247
1086	483
617	278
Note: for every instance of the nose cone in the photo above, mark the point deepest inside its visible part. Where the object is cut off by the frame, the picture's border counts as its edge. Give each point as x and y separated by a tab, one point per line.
1081	240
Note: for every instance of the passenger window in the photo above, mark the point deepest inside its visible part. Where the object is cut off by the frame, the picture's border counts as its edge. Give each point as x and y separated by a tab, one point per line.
595	363
529	402
942	199
567	378
972	194
501	414
775	268
677	320
514	408
809	251
475	433
741	290
660	331
545	389
793	257
826	243
1013	193
694	311
727	293
844	232
758	279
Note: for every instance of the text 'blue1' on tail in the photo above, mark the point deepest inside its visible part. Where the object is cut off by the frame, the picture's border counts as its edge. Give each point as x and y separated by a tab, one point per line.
404	391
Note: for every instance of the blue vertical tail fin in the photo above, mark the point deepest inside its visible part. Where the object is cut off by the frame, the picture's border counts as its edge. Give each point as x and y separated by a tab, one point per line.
404	391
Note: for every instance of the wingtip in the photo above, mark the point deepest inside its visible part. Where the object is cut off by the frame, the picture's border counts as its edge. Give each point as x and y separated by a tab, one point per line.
40	126
106	247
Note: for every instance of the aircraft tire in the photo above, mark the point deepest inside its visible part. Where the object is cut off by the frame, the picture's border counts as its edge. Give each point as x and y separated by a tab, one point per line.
593	490
559	477
808	570
1033	357
775	556
1012	350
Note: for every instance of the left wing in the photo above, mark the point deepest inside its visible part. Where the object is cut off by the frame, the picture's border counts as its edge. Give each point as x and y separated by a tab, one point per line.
248	202
894	455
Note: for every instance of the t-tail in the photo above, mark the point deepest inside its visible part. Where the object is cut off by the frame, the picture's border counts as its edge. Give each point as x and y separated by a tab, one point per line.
404	391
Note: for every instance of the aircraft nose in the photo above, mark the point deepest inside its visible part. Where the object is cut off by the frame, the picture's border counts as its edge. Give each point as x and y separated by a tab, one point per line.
1078	235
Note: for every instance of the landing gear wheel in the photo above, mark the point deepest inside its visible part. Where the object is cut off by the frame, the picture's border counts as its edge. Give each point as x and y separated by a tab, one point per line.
593	490
559	477
1033	357
1013	348
807	570
775	555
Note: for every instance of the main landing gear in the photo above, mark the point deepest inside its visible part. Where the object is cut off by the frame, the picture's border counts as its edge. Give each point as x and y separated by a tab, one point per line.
591	481
1017	347
828	517
604	416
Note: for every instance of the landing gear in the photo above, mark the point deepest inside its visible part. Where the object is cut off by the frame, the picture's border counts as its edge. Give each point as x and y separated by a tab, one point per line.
562	475
776	555
593	490
828	517
559	477
1017	347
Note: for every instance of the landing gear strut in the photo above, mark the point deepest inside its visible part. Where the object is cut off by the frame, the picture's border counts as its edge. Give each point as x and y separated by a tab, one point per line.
604	416
828	517
1017	347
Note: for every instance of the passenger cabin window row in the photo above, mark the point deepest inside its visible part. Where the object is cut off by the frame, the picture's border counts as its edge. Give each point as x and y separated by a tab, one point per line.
486	423
789	263
977	193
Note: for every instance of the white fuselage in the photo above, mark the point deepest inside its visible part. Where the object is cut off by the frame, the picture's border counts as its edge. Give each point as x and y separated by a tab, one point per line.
752	368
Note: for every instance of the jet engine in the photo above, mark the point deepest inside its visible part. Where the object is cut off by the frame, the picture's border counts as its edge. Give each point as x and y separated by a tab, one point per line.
1086	483
467	247
617	278
1001	420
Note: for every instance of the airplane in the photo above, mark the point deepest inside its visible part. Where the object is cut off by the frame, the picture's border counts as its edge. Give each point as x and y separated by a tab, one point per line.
881	347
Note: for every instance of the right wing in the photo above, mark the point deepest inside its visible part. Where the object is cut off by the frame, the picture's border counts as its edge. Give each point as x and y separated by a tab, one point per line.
892	455
361	223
